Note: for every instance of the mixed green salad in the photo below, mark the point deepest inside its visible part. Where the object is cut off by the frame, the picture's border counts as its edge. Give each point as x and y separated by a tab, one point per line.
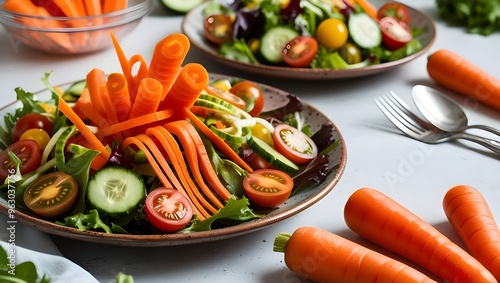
48	165
310	33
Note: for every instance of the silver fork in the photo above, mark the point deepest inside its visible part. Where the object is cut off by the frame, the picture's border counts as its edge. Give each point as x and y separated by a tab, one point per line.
400	115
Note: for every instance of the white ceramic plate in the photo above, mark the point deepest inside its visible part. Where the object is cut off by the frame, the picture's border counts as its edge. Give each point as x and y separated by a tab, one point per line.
192	26
308	195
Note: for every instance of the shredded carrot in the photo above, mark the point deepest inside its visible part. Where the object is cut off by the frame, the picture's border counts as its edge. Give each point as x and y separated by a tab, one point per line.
151	160
176	156
94	142
205	164
191	155
167	59
381	220
470	215
322	256
118	94
219	143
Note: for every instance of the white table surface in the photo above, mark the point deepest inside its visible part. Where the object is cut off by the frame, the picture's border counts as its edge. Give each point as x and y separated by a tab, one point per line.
378	156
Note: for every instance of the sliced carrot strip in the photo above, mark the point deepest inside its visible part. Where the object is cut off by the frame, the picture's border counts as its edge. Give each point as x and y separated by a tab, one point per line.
205	163
137	122
148	98
191	155
114	5
218	142
96	80
118	94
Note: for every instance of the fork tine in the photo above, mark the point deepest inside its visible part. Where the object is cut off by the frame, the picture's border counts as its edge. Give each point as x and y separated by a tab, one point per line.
403	113
406	109
396	118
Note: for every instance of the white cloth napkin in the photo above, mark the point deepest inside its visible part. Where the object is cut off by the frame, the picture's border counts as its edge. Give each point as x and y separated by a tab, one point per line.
37	247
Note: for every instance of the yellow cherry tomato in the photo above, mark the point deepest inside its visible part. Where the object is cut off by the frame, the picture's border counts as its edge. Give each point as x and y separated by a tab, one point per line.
332	33
262	133
38	135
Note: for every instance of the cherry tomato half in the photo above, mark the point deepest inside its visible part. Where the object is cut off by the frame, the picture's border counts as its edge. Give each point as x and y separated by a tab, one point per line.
395	34
30	121
168	209
27	151
227	96
394	10
300	51
218	29
51	195
294	144
251	94
268	187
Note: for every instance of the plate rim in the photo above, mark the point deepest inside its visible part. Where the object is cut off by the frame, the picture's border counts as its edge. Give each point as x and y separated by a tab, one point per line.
174	239
303	73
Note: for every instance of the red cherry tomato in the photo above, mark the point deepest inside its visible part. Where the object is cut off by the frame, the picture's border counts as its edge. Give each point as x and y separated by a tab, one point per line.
294	144
300	51
31	121
218	29
27	151
168	209
227	96
394	10
395	34
268	187
251	94
254	160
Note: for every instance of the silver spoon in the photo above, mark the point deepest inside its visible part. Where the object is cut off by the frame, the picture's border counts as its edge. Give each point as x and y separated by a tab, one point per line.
443	112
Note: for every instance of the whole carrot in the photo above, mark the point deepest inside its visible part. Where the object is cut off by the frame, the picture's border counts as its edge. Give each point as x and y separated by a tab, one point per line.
456	73
322	256
380	219
470	215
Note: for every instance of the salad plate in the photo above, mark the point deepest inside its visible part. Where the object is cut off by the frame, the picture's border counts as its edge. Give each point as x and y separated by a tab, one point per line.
306	196
192	26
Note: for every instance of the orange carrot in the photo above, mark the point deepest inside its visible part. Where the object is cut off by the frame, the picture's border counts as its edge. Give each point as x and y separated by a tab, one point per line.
176	156
463	77
147	99
117	88
71	8
190	151
380	219
205	164
94	142
470	215
27	7
96	83
368	7
192	79
92	7
322	256
141	121
151	160
218	142
114	5
86	111
168	56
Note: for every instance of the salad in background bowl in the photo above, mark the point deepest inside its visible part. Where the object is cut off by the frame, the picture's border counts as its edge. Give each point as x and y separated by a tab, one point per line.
309	39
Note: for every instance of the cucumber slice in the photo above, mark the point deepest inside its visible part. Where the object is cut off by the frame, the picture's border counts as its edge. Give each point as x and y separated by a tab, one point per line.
274	40
181	6
270	155
115	191
364	31
77	88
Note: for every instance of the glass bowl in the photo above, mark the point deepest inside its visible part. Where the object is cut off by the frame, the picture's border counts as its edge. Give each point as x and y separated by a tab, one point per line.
73	35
